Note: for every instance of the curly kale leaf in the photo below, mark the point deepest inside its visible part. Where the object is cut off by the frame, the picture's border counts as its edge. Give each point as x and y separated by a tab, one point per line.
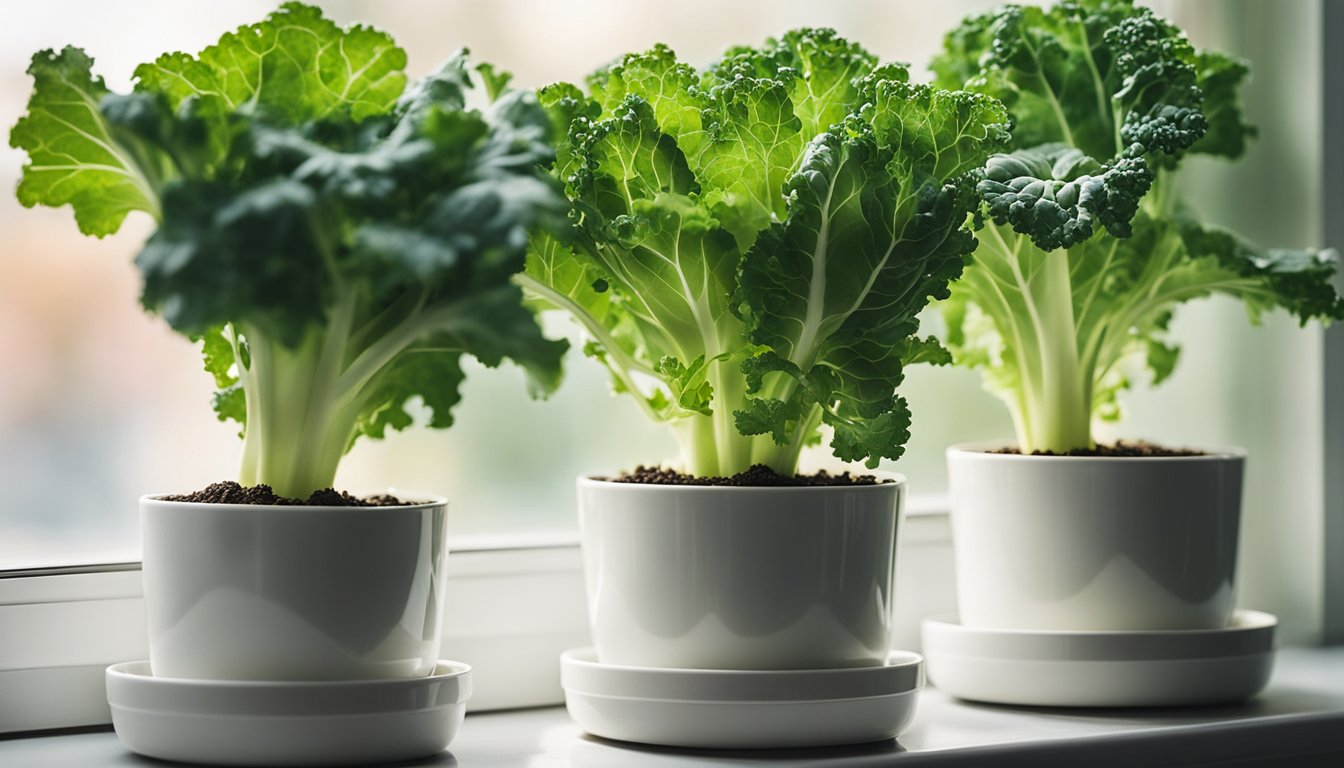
1102	76
297	65
335	238
1057	195
75	156
1008	318
1102	95
874	231
419	217
1220	79
1089	248
751	242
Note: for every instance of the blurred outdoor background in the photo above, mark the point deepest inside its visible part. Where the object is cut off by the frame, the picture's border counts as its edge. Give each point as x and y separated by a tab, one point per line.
100	403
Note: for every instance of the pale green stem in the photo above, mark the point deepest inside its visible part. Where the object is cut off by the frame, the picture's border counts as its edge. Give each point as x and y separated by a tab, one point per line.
711	445
729	386
699	452
622	364
1058	414
298	423
784	458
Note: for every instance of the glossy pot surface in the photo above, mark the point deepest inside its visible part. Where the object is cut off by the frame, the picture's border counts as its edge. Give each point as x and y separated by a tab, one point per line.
1095	543
254	592
740	578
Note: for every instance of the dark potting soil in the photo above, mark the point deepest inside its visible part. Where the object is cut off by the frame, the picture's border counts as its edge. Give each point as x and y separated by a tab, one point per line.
229	492
1120	449
757	475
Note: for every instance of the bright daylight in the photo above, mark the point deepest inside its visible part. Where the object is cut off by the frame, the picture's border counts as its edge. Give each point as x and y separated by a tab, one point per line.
596	383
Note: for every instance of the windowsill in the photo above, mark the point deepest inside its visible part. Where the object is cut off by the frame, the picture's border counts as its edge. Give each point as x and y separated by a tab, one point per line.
1297	720
60	627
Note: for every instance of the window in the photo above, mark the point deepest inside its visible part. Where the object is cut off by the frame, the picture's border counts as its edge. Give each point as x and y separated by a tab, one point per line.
100	399
100	403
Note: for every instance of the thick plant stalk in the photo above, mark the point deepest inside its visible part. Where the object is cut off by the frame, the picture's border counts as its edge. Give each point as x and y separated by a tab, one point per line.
1055	413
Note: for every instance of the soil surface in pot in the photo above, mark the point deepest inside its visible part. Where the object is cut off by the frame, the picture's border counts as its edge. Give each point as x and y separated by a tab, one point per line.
758	475
1119	450
229	492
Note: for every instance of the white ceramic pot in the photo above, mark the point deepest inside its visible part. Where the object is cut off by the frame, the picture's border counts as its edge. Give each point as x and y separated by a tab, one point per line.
1094	543
255	592
705	577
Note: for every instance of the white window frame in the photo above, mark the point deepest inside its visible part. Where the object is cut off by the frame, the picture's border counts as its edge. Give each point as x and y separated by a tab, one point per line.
1332	199
508	611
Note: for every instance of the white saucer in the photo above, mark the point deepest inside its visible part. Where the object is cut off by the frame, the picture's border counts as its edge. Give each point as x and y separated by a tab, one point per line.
224	722
1102	669
716	708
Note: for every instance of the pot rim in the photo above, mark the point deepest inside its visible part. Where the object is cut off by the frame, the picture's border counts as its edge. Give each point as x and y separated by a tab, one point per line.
1243	621
982	448
432	501
897	481
137	672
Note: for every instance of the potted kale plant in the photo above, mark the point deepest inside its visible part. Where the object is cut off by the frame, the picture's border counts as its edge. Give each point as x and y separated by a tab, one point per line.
1087	250
750	246
336	239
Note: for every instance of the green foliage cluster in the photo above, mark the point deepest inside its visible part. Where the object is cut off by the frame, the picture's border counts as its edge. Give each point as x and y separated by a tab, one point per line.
336	237
748	245
751	242
1089	245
